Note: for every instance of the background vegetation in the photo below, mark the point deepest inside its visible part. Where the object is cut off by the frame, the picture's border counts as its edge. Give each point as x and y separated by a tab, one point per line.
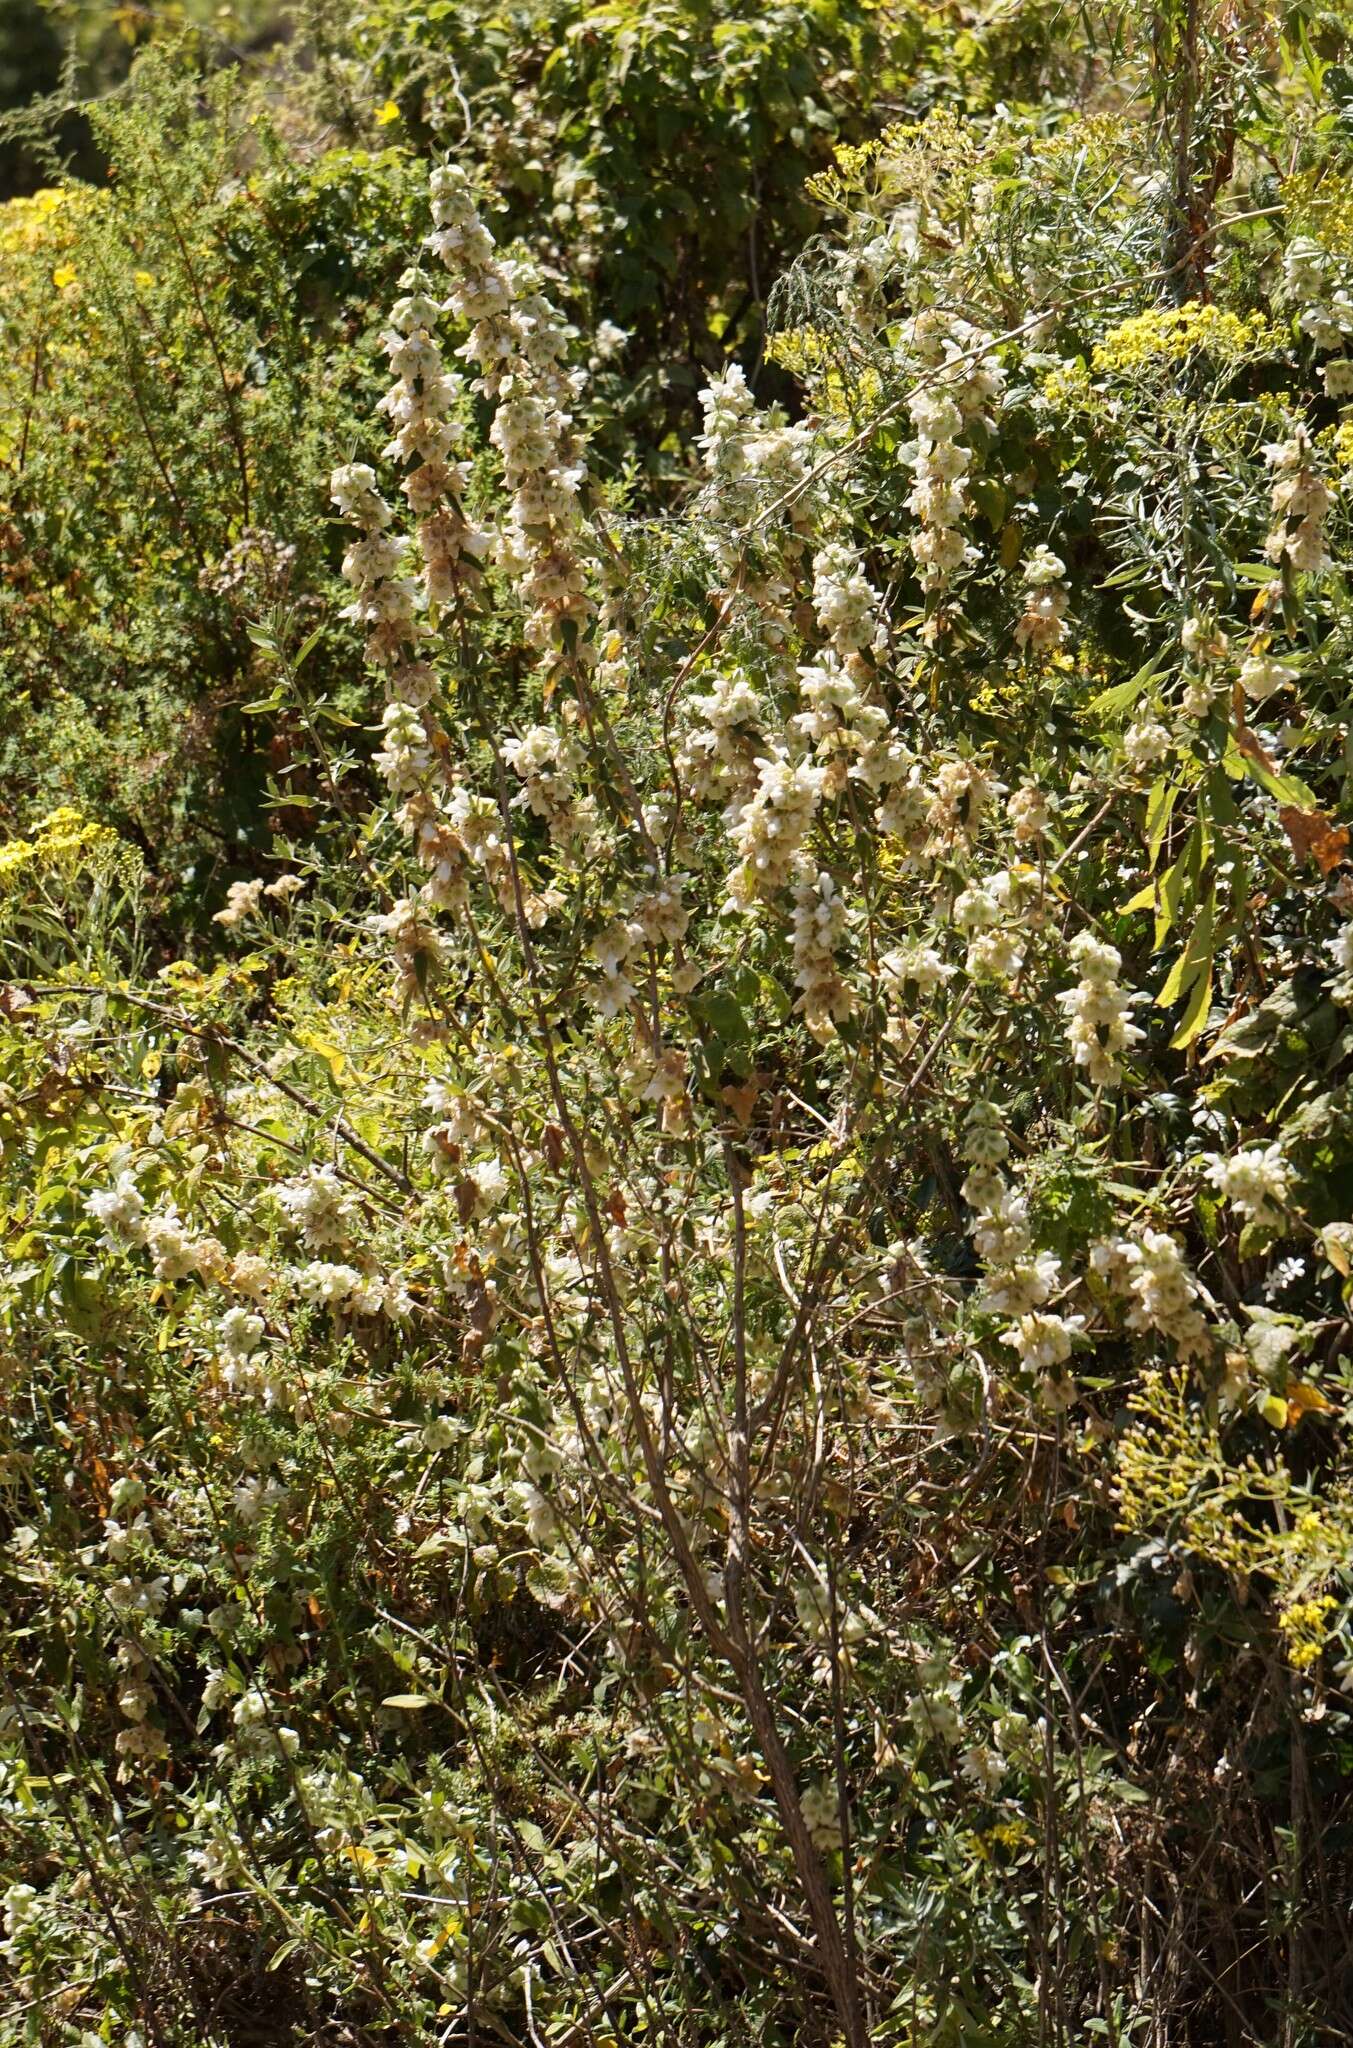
675	1345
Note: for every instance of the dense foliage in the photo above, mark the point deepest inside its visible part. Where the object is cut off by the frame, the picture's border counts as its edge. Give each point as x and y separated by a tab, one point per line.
676	1077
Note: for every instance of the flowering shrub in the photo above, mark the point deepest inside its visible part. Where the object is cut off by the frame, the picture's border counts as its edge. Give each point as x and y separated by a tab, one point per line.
702	1386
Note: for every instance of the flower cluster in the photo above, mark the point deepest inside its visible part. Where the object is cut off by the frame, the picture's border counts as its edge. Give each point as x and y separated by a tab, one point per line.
1042	625
1313	283
546	761
1099	1011
819	925
959	799
1256	1181
841	727
772	826
1340	950
1299	503
718	758
658	919
749	453
520	345
426	439
955	392
1020	1283
846	603
1149	1267
998	912
320	1206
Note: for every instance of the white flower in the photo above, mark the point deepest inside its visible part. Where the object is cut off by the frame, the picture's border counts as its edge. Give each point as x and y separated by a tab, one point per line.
1198	697
983	1767
1043	624
320	1207
984	1140
1149	1267
995	955
1285	1274
921	966
1025	1284
1043	568
963	789
827	998
1203	639
1340	950
1255	1180
535	1512
1300	502
1146	742
250	1275
1099	1011
772	827
242	900
1043	1341
936	1717
490	1182
845	601
608	339
171	1248
821	1812
1030	811
1305	268
121	1211
1261	676
328	1283
239	1334
21	1908
1269	1344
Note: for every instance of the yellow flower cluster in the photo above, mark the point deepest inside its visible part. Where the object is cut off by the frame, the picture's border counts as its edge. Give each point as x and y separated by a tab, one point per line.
1304	1626
1171	333
64	843
811	355
909	156
27	224
1341	445
1317	205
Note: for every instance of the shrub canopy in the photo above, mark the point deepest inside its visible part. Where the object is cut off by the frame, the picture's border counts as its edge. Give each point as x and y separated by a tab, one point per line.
675	1066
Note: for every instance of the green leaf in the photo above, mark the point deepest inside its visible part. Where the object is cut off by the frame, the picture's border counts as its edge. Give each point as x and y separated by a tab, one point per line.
1159	808
724	1015
307	647
1196	1014
1196	958
1284	789
1171	897
990	500
1113	703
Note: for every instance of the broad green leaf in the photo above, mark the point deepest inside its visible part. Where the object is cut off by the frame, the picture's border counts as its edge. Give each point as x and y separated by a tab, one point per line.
1196	1013
1196	958
1114	702
1159	809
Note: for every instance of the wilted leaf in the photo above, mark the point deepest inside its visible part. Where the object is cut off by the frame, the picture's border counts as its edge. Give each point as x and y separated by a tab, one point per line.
742	1100
1315	837
1302	1400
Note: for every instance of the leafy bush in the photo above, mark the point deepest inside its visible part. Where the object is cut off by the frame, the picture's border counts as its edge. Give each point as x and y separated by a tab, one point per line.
190	337
654	158
698	1384
184	349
